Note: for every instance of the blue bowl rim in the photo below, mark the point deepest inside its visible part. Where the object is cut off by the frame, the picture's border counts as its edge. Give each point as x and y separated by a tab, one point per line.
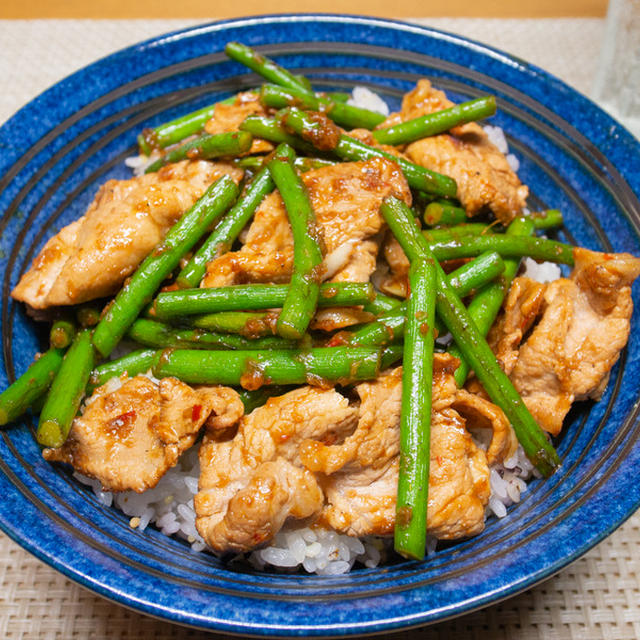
631	177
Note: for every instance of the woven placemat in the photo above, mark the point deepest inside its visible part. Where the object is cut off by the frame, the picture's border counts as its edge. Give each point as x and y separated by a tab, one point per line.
67	45
598	597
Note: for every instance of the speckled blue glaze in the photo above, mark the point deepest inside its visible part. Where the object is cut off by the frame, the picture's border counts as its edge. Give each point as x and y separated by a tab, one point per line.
60	147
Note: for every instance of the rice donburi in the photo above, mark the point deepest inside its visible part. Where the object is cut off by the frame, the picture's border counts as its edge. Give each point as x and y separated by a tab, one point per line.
294	365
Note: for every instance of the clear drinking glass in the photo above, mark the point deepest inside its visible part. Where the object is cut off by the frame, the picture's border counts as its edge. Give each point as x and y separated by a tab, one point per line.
617	82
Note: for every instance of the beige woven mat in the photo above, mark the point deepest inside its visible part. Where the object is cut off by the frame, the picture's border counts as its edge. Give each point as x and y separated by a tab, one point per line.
595	598
67	45
598	597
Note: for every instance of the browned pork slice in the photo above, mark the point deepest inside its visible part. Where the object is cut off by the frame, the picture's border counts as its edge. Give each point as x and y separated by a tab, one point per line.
584	325
359	476
521	309
481	171
91	258
35	284
250	485
334	318
310	454
395	281
479	415
346	199
360	264
129	437
460	480
228	117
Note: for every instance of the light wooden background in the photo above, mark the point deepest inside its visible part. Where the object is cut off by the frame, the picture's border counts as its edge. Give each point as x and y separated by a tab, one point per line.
21	9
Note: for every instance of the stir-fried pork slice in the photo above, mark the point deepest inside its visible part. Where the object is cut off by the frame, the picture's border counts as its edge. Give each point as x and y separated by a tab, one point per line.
228	117
351	262
276	490
481	171
521	309
35	284
376	438
584	326
251	484
128	438
364	503
362	472
346	199
91	257
480	414
460	491
334	318
396	281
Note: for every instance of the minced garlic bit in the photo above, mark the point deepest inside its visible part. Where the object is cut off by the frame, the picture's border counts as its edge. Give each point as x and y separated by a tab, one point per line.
134	522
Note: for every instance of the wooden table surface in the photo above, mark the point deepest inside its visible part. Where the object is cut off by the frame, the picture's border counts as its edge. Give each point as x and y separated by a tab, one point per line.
203	8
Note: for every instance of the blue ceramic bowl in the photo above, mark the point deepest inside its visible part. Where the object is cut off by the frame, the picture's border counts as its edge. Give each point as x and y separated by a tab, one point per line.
60	147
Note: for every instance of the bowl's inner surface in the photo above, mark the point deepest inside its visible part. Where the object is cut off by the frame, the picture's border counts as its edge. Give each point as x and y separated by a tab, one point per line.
52	181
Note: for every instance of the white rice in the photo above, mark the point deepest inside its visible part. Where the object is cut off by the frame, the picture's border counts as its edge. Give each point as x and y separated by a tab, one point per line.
496	135
320	551
367	99
513	161
169	505
139	164
508	482
541	272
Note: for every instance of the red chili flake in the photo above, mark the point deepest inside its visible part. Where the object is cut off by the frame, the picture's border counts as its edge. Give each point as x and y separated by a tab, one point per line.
338	340
120	426
196	412
128	416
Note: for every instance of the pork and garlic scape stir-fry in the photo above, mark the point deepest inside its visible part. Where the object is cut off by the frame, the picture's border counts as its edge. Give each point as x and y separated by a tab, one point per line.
302	301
